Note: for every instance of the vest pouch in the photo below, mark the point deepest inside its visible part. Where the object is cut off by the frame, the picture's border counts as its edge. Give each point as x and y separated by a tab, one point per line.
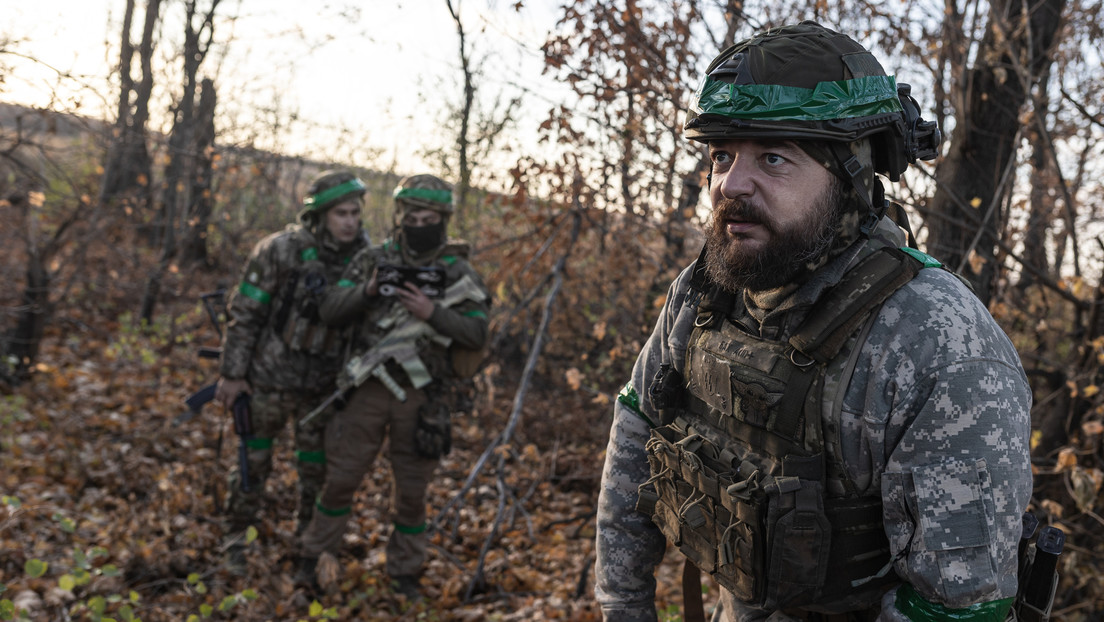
692	508
800	541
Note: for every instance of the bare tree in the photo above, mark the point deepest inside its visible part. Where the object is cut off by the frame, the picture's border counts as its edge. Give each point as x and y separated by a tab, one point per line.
127	168
182	148
465	109
975	178
194	247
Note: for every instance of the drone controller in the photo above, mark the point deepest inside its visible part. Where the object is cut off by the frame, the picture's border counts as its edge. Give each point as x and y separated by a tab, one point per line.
429	279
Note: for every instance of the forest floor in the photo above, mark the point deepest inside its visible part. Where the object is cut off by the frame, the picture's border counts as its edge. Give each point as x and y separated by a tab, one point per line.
110	503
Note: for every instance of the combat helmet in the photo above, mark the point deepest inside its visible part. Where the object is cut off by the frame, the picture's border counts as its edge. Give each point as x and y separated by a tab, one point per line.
422	192
330	188
807	82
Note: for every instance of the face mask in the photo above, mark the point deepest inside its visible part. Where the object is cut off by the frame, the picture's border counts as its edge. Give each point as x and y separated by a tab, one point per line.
422	239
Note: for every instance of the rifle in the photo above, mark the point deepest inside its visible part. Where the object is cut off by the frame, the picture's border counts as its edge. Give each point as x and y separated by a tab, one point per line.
214	303
399	344
1038	570
243	427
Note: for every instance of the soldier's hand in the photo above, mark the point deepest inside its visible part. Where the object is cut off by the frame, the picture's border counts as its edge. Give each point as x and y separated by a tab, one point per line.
371	288
228	390
416	302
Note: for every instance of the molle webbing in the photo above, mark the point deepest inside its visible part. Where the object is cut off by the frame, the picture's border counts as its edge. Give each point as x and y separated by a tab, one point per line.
760	438
846	306
739	477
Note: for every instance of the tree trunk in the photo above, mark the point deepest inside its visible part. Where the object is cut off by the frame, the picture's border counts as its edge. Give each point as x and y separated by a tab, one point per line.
974	179
1041	214
22	344
194	248
127	165
462	139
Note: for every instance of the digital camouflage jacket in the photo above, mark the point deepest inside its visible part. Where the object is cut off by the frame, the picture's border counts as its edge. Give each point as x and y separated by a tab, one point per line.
934	419
274	335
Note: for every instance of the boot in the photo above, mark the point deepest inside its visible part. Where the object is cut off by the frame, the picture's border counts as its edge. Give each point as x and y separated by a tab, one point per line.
305	573
408	586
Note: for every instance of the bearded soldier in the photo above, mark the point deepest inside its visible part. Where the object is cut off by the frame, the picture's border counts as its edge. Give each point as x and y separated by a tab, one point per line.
421	312
276	347
824	419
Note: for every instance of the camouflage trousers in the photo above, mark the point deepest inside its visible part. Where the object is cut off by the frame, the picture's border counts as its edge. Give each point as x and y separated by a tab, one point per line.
353	440
271	411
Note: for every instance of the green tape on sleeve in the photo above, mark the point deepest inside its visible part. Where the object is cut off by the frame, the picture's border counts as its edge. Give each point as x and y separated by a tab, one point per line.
250	290
630	399
259	443
476	313
918	609
346	283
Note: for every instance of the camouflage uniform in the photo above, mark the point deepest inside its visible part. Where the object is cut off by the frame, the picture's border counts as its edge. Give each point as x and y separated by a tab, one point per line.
373	413
275	339
935	420
930	415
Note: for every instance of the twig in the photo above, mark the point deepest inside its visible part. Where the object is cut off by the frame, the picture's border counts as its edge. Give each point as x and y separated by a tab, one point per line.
515	415
568	521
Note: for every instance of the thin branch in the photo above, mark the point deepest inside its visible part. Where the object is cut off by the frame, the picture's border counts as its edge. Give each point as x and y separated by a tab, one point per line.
507	434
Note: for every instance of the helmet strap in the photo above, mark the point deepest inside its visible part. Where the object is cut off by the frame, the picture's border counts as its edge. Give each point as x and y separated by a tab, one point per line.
851	169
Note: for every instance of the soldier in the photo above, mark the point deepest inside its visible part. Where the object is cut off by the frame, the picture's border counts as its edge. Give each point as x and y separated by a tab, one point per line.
829	424
276	347
405	405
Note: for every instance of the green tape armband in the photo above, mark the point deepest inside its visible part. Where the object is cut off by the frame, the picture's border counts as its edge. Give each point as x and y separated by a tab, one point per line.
309	254
924	258
346	283
841	99
448	260
917	609
426	194
476	313
259	443
250	290
311	457
629	398
410	530
333	512
340	190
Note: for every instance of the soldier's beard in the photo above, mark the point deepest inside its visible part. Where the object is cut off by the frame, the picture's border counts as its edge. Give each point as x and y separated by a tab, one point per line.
788	253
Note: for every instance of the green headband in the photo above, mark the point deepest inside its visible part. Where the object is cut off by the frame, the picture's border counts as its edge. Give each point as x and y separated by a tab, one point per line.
436	196
842	99
340	190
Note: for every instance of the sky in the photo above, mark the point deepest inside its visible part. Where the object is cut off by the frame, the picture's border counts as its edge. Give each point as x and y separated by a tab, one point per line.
371	78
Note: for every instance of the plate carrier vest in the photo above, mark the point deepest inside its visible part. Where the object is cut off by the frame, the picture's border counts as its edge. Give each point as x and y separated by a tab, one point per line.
739	469
297	321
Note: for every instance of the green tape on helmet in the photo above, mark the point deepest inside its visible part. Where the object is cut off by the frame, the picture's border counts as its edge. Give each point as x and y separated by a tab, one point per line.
843	99
425	194
316	201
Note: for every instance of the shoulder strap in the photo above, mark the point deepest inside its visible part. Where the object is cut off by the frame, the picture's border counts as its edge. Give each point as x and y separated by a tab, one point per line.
712	301
844	308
